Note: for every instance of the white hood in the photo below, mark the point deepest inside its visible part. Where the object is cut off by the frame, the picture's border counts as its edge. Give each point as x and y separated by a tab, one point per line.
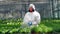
32	5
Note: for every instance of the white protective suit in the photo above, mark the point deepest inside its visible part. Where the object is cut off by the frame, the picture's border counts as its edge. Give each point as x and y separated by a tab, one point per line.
34	17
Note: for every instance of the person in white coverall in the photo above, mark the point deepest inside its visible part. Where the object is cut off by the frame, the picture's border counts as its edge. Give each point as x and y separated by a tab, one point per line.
32	17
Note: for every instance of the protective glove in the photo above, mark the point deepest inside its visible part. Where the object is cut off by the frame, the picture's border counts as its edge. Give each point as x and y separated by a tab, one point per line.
29	23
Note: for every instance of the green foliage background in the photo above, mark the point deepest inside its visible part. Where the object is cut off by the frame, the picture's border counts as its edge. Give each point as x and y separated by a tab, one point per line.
13	25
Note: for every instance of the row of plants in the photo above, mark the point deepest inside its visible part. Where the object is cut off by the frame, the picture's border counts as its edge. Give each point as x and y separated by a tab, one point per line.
13	26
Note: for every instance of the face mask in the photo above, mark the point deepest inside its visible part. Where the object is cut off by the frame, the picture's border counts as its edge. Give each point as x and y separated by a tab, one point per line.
31	9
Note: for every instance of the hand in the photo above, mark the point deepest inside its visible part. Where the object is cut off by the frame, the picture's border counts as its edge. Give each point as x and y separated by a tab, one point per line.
29	23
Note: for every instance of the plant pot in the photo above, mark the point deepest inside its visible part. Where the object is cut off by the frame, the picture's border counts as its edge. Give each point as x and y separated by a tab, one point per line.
35	33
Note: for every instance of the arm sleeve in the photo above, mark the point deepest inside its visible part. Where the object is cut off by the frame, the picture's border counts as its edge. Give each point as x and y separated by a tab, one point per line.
25	18
38	18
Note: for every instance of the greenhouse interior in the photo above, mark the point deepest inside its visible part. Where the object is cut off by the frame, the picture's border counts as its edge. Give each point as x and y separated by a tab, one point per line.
12	13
